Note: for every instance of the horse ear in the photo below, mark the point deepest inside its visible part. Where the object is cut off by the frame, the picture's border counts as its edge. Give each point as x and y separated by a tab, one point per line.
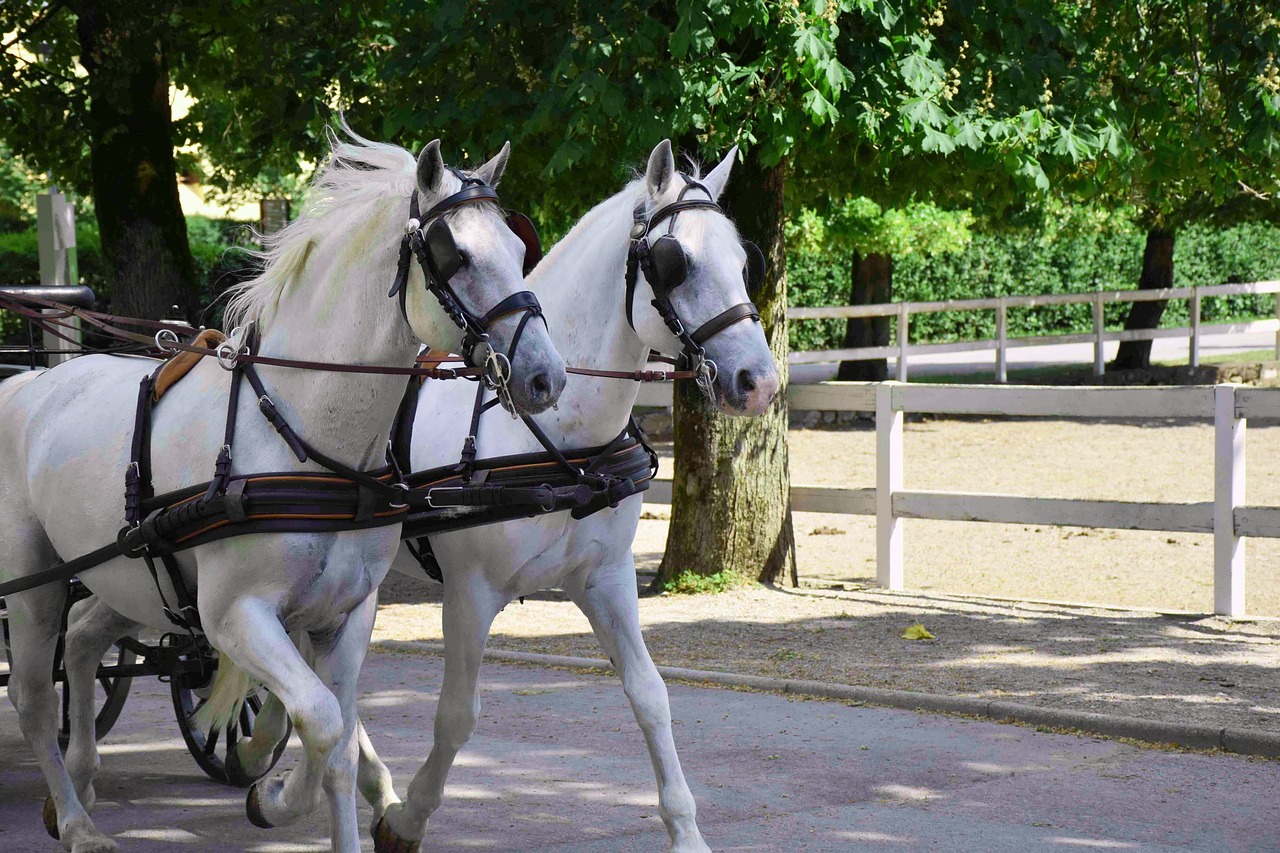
430	167
491	172
662	167
719	176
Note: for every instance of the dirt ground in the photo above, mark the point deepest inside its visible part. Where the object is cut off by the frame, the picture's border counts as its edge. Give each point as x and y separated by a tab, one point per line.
1137	662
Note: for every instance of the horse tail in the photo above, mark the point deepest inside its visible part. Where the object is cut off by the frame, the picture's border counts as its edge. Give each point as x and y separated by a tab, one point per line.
231	686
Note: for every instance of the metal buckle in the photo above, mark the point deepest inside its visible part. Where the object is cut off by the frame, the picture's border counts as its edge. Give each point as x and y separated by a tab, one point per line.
431	492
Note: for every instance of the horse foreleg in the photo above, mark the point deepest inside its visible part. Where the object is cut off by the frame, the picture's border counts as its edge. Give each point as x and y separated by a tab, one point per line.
468	615
250	635
35	620
373	779
609	601
92	627
338	663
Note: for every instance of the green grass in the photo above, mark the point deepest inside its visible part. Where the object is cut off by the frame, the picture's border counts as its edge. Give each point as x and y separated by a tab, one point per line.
692	583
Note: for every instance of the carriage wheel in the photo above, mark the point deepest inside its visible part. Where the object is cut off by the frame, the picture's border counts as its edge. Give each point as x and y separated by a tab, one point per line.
210	748
110	695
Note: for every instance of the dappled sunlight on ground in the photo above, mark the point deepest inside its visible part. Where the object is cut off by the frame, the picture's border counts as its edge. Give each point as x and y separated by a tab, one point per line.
1174	668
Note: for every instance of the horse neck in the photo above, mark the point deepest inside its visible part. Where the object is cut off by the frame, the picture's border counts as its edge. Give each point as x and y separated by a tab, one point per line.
584	296
338	311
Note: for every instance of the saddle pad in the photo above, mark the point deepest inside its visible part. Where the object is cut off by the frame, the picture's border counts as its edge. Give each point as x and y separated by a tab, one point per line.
180	364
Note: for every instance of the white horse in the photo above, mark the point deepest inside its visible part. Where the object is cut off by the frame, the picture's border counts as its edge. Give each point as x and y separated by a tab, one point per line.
66	438
581	285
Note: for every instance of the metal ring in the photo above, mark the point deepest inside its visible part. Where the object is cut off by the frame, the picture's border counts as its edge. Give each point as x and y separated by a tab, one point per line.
404	504
165	338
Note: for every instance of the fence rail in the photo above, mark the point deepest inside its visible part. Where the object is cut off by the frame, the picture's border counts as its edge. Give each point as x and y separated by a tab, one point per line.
902	350
1227	516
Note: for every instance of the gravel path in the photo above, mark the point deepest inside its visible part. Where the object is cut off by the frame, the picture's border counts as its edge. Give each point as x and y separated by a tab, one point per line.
1137	664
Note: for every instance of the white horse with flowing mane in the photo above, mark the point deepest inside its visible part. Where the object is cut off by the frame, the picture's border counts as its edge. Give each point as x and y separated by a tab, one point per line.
581	285
67	432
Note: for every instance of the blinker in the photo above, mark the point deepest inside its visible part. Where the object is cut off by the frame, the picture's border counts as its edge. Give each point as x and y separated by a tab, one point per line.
442	252
523	228
668	263
753	272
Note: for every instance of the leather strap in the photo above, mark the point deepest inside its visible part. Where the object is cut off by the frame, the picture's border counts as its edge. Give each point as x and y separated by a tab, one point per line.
723	320
523	300
475	192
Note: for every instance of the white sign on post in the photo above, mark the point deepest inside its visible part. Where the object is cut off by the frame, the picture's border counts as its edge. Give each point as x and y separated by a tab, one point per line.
56	221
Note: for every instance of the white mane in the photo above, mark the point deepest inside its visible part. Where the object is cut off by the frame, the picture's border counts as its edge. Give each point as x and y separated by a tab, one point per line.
355	185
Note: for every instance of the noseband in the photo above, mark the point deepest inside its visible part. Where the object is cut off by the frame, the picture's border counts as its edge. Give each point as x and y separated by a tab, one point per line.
430	239
665	267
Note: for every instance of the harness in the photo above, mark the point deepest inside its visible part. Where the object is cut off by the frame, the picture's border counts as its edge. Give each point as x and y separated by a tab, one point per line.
339	498
430	240
468	493
474	492
666	266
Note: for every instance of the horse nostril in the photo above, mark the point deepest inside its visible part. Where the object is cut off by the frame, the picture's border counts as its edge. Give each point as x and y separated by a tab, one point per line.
745	382
540	387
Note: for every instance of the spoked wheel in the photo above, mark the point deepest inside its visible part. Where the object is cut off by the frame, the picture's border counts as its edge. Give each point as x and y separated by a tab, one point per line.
111	692
211	748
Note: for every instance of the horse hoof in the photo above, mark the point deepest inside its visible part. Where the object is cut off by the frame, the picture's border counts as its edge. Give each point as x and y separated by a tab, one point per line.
234	769
50	815
386	841
254	810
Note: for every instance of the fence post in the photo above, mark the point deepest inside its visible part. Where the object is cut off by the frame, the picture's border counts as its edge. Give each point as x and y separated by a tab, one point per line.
1002	333
903	319
1278	330
1228	493
1099	356
1194	357
56	231
888	483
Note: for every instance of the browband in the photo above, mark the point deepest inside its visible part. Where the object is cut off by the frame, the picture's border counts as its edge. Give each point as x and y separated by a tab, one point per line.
475	192
683	204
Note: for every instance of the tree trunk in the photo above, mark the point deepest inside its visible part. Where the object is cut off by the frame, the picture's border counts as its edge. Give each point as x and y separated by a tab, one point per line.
135	182
872	283
731	503
1157	273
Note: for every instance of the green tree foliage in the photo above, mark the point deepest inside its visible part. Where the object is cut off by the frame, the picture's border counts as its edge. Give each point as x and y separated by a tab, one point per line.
84	95
1193	92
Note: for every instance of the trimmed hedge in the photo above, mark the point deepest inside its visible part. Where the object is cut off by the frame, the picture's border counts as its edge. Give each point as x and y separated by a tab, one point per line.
1017	265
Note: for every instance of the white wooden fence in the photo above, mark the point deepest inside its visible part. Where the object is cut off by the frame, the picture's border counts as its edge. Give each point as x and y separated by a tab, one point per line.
1226	516
1001	343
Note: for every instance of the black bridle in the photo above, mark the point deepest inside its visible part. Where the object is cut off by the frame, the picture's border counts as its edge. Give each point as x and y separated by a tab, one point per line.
430	239
666	266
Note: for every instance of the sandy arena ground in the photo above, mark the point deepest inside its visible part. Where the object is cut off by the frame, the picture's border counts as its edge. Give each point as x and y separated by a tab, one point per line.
1137	461
1169	666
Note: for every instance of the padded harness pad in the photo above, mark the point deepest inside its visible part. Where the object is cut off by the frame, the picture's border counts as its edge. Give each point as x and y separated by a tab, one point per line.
180	364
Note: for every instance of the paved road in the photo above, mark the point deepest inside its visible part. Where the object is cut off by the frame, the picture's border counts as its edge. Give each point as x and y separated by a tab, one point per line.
1172	350
557	765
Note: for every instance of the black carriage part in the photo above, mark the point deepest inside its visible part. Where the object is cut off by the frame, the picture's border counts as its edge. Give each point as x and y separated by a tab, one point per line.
114	676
